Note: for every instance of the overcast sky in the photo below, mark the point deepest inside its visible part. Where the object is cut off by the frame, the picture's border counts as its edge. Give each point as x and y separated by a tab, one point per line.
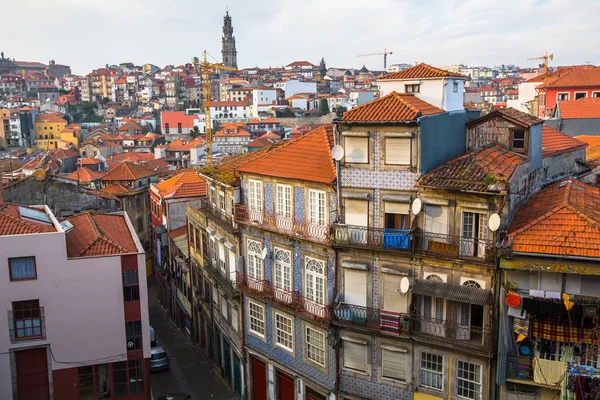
88	34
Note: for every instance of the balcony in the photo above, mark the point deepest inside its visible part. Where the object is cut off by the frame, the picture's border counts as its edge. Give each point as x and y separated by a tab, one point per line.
449	246
289	299
519	368
470	338
214	214
283	224
221	277
387	322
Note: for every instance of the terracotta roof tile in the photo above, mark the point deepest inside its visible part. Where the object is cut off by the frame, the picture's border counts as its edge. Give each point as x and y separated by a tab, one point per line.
178	232
224	172
185	184
89	161
512	114
556	142
310	156
49	118
395	107
563	219
12	223
127	171
582	108
126	125
85	175
486	170
575	76
421	71
174	117
118	190
239	133
593	151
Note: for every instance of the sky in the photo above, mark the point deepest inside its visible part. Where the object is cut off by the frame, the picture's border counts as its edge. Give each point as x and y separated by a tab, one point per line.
87	34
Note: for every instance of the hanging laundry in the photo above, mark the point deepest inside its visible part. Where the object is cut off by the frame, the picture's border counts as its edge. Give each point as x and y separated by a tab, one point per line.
567	301
521	326
548	372
513	300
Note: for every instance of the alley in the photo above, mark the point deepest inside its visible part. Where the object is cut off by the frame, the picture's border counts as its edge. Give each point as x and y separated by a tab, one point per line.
190	372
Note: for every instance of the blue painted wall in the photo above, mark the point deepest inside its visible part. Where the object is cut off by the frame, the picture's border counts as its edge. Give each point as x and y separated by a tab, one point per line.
443	136
299	203
269	200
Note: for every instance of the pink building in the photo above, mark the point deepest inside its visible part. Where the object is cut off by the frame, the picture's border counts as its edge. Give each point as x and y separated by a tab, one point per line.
75	304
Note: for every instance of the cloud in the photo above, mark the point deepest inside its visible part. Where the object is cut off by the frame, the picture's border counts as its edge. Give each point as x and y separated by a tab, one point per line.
88	35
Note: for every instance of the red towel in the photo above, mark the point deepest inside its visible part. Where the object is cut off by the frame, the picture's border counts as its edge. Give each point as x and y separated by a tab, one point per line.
513	300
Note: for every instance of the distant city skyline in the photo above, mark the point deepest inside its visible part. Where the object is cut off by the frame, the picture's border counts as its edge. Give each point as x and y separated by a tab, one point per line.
87	35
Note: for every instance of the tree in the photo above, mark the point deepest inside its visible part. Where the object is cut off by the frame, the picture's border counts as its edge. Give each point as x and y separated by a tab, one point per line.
340	110
285	113
105	100
195	132
323	106
323	67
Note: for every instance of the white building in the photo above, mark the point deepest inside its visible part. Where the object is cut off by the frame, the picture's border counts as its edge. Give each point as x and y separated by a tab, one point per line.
527	94
359	97
75	306
435	86
262	100
226	111
295	86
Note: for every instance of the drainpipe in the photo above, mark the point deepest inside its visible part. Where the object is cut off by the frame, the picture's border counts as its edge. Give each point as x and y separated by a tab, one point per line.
243	325
339	213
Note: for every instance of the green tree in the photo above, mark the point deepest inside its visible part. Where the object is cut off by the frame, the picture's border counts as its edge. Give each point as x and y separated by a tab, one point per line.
340	110
323	106
285	113
195	132
105	100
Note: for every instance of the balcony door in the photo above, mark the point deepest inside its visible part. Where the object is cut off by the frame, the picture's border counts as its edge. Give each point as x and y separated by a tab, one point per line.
470	318
433	310
473	234
355	287
435	236
283	275
283	218
357	215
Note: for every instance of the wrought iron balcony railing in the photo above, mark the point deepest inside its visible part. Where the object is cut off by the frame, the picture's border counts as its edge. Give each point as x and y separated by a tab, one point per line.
216	215
389	322
286	224
454	246
287	298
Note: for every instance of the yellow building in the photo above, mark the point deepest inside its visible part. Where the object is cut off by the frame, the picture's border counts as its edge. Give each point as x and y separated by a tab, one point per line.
4	126
52	131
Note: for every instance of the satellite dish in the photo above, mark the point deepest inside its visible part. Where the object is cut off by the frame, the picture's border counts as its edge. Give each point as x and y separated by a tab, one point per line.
494	222
337	152
264	253
39	175
416	206
404	285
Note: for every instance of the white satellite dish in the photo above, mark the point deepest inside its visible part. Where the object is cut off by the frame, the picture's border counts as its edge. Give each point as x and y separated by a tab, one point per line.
404	285
494	222
416	206
337	152
264	253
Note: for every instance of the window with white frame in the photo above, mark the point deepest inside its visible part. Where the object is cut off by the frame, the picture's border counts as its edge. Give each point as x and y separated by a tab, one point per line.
283	202
316	207
284	329
473	234
431	371
355	355
468	380
255	195
213	196
283	269
314	272
222	202
255	262
397	151
562	96
393	363
356	149
256	318
213	250
315	345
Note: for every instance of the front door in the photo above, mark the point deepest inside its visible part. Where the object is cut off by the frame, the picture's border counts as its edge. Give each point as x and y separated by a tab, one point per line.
259	380
285	386
227	360
312	395
237	374
32	374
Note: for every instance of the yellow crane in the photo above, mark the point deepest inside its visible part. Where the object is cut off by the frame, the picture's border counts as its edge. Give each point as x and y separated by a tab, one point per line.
546	57
206	67
384	54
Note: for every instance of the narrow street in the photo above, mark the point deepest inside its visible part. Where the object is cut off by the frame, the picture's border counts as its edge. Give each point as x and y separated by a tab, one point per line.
190	371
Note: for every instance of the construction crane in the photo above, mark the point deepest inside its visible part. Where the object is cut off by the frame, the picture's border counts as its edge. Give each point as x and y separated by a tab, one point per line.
206	67
546	57
384	54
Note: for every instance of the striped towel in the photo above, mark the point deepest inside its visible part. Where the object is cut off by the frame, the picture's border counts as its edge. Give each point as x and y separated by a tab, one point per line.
389	322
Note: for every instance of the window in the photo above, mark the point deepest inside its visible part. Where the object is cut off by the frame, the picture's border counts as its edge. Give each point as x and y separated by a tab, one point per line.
396	216
431	372
131	288
255	195
455	87
284	336
316	207
255	262
518	141
397	151
133	332
284	206
580	95
166	128
356	149
213	196
256	315
283	269
393	363
224	305
179	130
22	268
27	319
596	94
355	356
468	380
412	88
222	203
474	234
140	224
315	345
128	378
314	271
562	96
94	382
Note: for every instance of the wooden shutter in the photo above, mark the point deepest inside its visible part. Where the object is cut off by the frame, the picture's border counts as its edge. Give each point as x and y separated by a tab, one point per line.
396	208
355	287
397	151
393	300
355	356
357	212
393	363
356	149
436	219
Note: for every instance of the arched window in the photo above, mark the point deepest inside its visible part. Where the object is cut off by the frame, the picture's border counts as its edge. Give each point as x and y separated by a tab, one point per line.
255	262
283	269
471	283
314	272
434	277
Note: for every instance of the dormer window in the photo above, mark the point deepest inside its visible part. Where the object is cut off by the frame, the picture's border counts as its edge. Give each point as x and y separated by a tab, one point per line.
412	88
518	141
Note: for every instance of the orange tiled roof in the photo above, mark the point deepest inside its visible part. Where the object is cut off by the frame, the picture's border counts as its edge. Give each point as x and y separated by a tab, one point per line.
184	145
185	184
89	161
512	114
49	118
126	125
118	190
563	219
239	133
556	142
174	117
421	71
98	235
576	76
310	156
395	107
127	171
175	233
12	223
593	151
582	108
85	175
486	170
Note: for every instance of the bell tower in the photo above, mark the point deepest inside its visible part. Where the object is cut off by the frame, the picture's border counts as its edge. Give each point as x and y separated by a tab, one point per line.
228	50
